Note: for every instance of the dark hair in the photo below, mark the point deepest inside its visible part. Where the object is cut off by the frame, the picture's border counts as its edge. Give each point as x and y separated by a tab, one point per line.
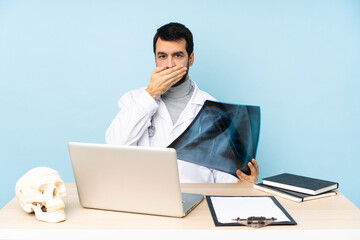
174	32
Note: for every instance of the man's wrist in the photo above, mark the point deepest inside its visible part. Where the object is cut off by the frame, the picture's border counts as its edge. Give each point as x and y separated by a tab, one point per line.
153	95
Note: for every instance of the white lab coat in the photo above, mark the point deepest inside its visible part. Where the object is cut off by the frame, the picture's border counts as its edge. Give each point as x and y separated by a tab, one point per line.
138	111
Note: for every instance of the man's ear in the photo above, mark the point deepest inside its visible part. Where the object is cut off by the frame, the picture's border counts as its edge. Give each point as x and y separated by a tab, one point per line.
191	59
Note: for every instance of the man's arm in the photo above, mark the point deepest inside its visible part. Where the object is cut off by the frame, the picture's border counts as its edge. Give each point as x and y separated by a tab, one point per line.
137	107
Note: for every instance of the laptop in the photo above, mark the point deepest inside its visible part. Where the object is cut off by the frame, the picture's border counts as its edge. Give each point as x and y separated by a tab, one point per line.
130	179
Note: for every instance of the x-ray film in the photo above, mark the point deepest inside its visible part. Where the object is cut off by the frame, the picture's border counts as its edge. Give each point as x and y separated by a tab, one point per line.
222	136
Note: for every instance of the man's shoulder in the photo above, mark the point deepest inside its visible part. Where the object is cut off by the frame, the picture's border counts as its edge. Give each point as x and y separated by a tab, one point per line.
204	95
134	95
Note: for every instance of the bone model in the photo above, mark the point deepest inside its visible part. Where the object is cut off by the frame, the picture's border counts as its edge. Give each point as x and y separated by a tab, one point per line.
41	191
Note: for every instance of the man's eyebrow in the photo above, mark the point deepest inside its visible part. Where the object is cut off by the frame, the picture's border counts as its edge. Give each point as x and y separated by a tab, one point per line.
179	52
160	53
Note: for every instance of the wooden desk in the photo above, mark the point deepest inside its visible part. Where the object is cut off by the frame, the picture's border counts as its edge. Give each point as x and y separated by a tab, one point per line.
334	217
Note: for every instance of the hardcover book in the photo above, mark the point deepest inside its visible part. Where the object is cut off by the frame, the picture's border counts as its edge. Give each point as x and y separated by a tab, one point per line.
291	195
311	186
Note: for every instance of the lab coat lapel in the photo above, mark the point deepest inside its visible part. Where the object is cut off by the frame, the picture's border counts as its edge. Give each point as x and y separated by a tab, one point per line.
192	106
163	111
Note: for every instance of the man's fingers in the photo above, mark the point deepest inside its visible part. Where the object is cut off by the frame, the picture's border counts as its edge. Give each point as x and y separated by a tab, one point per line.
174	79
158	69
242	176
252	168
254	172
179	72
170	75
163	71
254	162
170	72
162	79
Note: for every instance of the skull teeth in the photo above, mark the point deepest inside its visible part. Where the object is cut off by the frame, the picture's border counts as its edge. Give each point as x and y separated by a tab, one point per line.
50	209
43	214
55	208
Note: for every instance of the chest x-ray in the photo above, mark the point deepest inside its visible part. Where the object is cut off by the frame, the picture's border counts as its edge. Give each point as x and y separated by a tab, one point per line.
222	136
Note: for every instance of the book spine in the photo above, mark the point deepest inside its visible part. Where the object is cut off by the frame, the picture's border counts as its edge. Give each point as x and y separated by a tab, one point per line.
289	187
295	199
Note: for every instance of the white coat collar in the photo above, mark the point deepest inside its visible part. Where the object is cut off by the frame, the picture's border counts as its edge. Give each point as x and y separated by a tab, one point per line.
189	112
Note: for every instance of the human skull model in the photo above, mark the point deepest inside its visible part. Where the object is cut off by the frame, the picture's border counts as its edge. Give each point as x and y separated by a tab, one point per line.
41	191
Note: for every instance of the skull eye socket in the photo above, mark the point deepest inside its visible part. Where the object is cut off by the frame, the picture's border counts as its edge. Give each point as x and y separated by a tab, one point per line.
44	187
55	192
59	185
41	189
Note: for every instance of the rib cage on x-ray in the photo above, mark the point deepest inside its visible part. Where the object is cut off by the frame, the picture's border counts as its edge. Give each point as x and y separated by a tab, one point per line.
222	136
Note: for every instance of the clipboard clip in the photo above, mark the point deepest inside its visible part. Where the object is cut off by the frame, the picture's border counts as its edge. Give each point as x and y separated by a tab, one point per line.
255	222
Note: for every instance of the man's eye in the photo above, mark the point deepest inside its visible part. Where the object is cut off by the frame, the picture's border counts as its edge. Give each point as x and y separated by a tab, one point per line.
179	55
161	56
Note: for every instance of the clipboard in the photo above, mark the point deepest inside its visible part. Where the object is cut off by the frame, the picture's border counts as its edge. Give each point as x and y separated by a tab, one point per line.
220	205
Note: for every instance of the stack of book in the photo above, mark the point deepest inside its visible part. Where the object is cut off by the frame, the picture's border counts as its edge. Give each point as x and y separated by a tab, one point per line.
297	188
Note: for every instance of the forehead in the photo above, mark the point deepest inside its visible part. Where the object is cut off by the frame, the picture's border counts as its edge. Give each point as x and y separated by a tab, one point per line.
170	46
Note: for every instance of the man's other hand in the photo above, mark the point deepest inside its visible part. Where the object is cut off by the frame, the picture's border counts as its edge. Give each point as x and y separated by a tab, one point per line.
162	79
254	170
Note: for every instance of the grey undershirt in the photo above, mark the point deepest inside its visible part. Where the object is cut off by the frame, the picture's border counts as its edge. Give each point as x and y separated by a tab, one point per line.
176	99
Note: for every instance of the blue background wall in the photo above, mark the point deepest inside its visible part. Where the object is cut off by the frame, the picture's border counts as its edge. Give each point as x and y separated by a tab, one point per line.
64	64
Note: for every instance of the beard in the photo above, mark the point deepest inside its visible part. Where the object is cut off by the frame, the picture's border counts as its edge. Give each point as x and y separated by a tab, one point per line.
183	79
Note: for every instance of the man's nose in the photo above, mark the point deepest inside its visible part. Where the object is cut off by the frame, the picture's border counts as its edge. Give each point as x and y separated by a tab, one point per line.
170	62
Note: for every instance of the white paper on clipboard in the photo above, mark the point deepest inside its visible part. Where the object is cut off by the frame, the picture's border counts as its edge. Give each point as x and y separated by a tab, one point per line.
227	209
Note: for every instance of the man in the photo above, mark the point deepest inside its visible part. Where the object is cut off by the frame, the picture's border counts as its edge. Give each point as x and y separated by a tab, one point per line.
157	115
